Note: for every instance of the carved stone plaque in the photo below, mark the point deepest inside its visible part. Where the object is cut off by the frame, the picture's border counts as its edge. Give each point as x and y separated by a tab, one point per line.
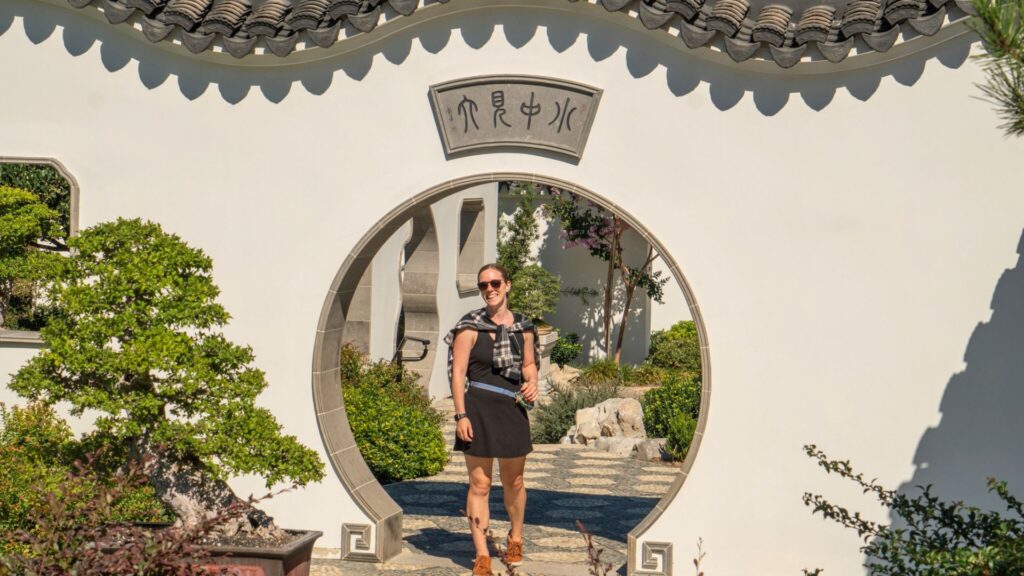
514	111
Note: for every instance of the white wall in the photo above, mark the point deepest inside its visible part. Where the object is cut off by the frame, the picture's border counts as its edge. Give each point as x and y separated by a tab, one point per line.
387	294
451	306
577	268
850	238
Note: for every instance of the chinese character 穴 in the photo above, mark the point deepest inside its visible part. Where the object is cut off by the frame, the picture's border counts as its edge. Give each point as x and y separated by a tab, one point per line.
498	102
530	110
563	115
467	109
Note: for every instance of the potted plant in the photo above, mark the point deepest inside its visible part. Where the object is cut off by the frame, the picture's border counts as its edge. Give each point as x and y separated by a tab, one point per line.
135	337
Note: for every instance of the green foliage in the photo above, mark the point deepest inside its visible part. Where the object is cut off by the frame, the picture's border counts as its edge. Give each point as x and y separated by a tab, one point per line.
680	434
37	451
534	292
1001	28
566	349
28	228
679	393
551	421
135	336
397	430
932	537
516	236
76	529
677	348
622	374
47	184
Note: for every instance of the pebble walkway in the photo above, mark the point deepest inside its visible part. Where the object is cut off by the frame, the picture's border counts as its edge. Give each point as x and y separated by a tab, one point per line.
609	495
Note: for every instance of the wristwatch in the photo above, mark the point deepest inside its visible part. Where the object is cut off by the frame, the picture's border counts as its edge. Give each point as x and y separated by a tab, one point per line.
460	416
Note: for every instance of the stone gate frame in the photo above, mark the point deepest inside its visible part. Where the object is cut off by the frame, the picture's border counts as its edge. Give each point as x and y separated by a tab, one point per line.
383	539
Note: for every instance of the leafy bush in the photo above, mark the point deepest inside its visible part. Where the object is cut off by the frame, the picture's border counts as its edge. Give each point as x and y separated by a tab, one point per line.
28	230
622	374
535	292
76	529
677	348
680	434
397	430
679	393
941	538
37	451
552	420
566	349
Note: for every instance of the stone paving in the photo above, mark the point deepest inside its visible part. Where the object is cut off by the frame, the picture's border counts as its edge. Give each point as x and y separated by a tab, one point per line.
608	494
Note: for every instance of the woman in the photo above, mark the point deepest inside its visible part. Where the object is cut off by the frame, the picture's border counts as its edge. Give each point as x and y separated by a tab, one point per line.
492	357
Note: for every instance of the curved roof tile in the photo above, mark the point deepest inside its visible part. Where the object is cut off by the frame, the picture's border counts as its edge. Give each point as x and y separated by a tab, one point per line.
785	27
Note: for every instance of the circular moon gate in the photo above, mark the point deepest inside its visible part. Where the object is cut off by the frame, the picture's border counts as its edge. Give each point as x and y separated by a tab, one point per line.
383	539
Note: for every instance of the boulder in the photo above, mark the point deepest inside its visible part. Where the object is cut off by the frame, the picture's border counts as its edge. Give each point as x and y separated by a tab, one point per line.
651	449
613	418
618	446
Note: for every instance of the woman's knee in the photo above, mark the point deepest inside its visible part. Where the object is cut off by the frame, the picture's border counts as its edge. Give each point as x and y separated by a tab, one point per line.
479	485
513	483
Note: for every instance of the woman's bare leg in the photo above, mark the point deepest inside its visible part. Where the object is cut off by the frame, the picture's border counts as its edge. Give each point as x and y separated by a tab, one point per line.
477	505
512	484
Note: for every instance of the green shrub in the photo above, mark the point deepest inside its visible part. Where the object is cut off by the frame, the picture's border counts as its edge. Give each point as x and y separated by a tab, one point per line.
931	536
677	348
623	374
566	349
534	292
679	393
397	430
680	434
552	420
37	452
76	529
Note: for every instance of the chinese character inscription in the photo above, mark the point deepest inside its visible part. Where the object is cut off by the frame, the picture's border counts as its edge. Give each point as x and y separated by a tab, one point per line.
526	111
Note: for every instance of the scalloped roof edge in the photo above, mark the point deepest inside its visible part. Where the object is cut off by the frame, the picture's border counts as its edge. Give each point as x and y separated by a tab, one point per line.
278	29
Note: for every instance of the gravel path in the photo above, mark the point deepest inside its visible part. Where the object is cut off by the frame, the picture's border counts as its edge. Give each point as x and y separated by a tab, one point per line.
610	495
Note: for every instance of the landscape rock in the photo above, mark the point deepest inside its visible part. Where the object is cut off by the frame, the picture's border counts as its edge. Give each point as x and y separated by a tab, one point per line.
651	449
613	418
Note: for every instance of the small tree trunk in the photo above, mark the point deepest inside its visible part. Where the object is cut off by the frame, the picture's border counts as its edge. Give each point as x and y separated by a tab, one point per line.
195	497
608	306
622	324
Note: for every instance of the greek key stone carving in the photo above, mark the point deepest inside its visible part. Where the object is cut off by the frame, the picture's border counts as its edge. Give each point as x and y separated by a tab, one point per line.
355	543
514	111
656	559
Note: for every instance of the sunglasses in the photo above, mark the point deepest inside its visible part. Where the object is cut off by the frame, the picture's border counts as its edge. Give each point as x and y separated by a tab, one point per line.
494	284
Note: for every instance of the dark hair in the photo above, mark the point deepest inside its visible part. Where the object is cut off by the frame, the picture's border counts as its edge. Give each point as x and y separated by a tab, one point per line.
493	266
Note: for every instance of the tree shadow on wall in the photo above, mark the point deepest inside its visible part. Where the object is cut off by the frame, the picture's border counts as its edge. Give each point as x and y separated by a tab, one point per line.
684	72
982	427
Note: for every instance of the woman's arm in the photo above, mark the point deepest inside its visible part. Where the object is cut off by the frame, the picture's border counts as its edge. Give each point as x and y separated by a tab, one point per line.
464	341
529	388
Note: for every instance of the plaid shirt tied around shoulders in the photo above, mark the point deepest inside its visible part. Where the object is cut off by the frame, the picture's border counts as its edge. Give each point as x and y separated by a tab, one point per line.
508	358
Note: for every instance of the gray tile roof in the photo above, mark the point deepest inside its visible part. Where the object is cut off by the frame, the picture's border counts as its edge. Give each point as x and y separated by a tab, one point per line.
780	30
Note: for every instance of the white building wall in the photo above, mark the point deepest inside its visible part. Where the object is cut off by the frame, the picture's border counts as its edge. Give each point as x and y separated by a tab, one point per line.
844	234
451	305
387	294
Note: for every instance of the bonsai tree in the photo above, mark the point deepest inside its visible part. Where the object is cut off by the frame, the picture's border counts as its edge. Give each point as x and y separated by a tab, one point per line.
27	228
535	292
135	336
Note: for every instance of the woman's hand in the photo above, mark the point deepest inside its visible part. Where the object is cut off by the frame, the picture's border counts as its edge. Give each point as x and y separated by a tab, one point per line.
529	390
464	430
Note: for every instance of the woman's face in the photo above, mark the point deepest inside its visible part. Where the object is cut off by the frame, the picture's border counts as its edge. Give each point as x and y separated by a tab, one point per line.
492	287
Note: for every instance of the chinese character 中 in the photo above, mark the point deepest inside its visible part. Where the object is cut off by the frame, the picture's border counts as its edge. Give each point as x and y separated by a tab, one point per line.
529	111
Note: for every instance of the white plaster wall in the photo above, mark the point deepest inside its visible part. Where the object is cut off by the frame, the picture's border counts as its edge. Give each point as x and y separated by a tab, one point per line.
451	305
387	294
673	307
577	268
844	235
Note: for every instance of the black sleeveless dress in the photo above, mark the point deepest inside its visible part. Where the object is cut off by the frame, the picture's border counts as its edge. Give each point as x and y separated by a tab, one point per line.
501	429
